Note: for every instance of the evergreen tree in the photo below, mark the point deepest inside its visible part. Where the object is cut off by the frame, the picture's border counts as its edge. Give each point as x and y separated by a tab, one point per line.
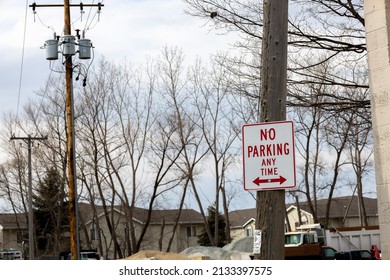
50	212
203	239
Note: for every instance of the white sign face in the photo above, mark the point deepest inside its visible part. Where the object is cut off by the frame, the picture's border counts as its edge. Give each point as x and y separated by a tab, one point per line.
268	156
257	242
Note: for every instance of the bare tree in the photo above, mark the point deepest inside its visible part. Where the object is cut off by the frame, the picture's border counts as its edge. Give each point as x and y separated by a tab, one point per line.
336	136
190	137
100	145
162	161
14	180
326	61
360	153
219	130
133	106
335	27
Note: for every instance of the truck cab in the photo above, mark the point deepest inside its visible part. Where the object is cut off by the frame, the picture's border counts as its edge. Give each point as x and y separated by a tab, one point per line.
307	243
292	239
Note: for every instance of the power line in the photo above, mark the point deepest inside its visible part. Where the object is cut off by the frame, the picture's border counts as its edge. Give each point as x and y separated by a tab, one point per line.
22	61
68	43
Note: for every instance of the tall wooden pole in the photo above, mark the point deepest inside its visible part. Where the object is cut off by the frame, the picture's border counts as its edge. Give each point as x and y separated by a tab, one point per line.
270	205
71	151
31	244
70	142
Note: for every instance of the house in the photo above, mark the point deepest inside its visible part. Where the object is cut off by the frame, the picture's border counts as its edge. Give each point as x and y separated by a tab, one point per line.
94	229
344	212
166	228
13	231
242	223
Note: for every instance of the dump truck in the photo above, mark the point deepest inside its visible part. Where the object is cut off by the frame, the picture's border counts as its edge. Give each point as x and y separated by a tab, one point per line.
307	244
314	242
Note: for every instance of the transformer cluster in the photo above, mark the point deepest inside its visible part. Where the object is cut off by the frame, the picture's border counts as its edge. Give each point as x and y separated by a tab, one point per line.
68	45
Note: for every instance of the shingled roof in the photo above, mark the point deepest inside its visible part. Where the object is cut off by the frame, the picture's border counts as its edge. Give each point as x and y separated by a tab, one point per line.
338	207
187	216
140	214
240	217
11	221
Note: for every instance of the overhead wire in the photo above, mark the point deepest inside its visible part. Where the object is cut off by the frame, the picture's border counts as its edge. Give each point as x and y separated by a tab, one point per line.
41	21
44	93
22	62
89	14
88	25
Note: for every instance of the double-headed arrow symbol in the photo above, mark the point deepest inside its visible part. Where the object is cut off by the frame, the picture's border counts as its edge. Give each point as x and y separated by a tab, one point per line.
279	180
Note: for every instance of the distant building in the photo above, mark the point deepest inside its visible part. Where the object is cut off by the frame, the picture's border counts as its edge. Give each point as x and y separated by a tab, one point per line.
161	231
94	228
13	231
344	212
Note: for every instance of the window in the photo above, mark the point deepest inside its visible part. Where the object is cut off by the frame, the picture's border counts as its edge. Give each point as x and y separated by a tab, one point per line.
191	231
304	220
248	232
93	232
292	239
365	255
329	253
19	237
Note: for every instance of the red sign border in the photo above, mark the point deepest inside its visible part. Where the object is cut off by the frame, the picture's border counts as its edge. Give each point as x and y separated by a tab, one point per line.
243	155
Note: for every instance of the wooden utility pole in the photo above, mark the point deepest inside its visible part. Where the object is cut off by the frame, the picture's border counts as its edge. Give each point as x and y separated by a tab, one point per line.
270	205
70	135
31	245
73	223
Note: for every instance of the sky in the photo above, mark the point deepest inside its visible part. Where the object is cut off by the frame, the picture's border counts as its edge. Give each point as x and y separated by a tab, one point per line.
125	29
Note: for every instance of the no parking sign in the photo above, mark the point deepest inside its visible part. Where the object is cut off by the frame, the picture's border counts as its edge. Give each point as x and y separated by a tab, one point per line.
269	155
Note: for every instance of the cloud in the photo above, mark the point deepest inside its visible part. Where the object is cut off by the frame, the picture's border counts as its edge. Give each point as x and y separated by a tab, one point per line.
124	29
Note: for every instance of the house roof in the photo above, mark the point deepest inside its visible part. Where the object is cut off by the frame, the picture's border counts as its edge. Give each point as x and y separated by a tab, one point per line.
340	205
11	220
187	216
292	207
338	208
240	217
